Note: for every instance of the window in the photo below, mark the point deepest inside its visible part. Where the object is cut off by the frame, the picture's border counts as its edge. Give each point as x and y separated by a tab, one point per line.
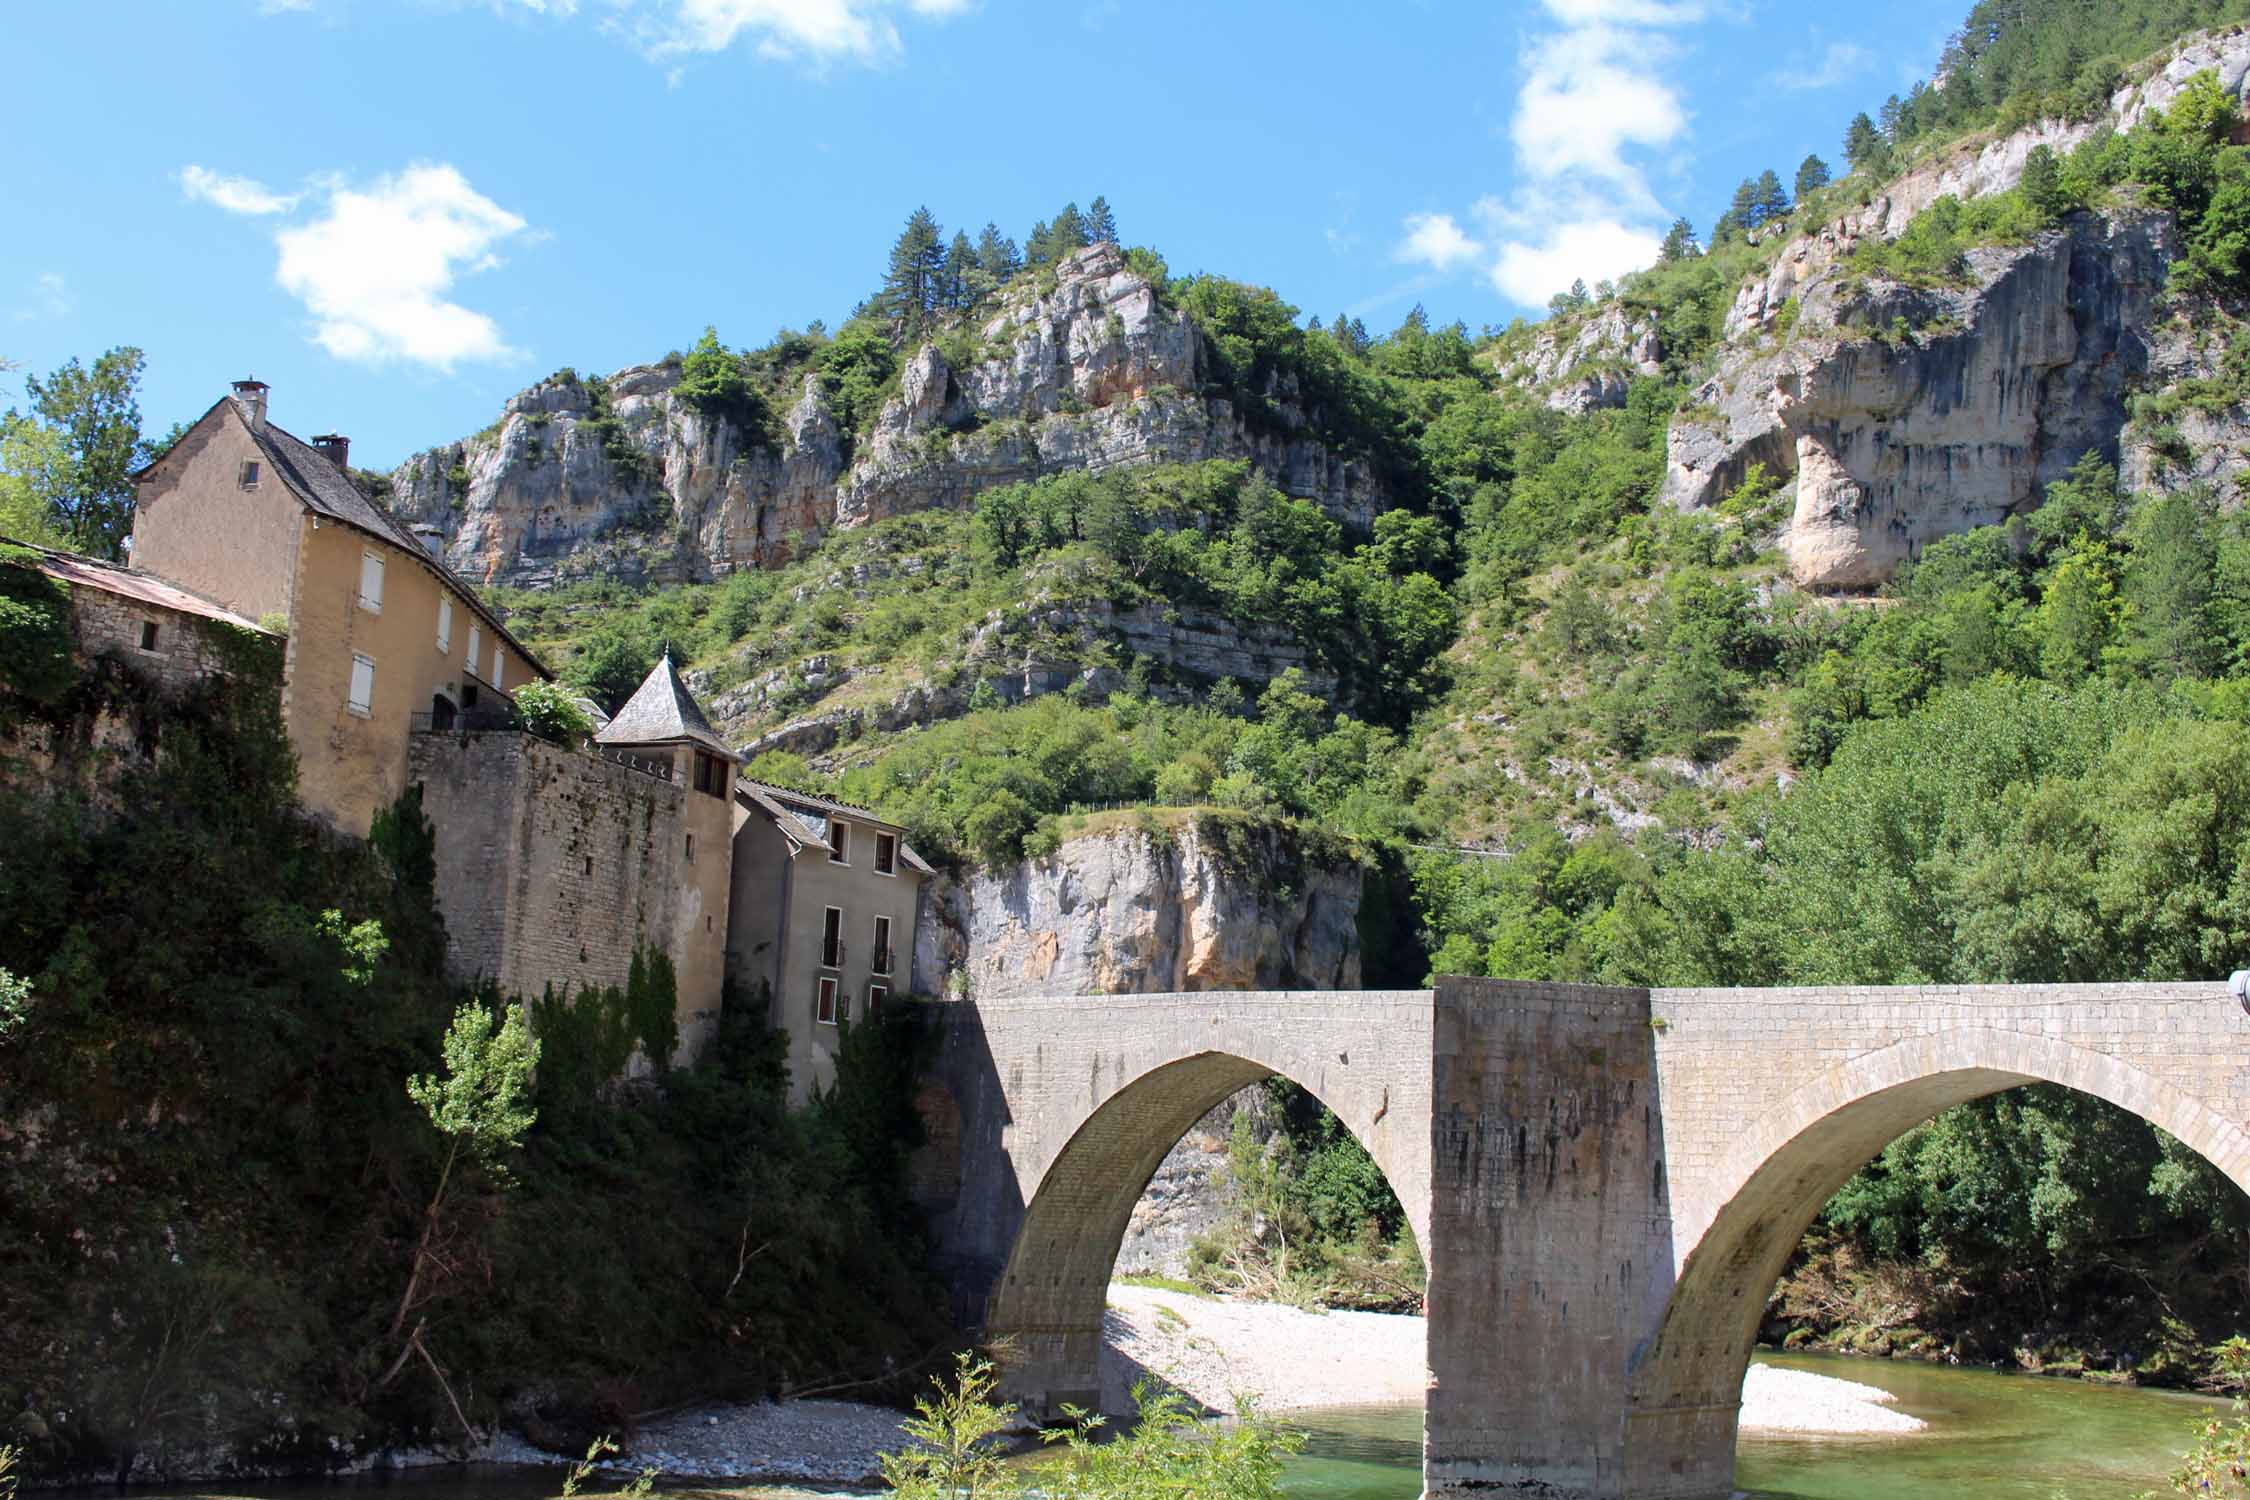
824	1007
148	635
476	645
710	774
497	664
444	623
691	847
248	478
839	842
880	960
876	995
886	854
362	699
371	583
832	939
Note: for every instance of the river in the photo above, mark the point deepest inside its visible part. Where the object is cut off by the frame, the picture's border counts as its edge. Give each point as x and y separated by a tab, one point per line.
1990	1436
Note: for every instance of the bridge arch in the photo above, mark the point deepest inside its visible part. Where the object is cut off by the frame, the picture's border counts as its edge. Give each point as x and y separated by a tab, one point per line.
1755	1205
1046	1308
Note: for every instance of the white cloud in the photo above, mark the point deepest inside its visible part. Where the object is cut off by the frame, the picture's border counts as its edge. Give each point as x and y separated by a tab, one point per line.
1840	61
237	195
375	264
278	7
1435	240
1530	271
815	30
1594	106
50	298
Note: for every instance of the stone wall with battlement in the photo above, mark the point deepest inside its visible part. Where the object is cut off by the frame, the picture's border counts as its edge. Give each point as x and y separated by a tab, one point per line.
554	864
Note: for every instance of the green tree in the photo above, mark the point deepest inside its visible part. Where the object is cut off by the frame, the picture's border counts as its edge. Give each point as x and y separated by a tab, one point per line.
34	465
1771	202
712	380
1812	176
1864	147
608	666
915	277
1679	242
81	470
2043	186
958	1449
2170	579
965	283
1101	223
997	255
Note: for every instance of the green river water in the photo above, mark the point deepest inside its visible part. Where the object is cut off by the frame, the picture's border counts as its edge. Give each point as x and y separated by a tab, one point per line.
1991	1437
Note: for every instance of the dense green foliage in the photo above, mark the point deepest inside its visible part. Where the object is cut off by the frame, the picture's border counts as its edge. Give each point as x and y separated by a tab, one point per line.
69	461
249	1185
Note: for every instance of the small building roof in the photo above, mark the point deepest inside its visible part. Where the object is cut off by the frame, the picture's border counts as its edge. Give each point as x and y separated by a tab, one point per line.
142	588
803	818
661	712
326	490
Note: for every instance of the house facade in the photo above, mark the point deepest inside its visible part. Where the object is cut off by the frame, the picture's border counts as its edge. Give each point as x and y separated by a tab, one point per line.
821	919
379	631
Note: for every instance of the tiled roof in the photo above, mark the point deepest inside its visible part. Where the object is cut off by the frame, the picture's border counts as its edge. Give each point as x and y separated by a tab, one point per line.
662	711
327	490
804	818
110	578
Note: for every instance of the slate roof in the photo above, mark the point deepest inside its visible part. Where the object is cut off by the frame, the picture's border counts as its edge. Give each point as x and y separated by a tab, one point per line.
327	490
804	818
146	588
662	711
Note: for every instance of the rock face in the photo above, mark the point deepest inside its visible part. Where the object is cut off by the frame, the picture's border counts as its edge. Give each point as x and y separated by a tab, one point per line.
1906	414
1589	365
1088	369
1131	911
1126	912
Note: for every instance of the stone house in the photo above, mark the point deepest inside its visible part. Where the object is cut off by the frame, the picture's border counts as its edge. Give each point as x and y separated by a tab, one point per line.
379	631
164	635
821	918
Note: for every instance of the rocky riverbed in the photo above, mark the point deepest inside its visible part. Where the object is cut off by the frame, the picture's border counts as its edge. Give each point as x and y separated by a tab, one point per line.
1209	1349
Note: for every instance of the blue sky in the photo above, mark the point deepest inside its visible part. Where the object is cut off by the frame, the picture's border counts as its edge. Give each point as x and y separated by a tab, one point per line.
398	212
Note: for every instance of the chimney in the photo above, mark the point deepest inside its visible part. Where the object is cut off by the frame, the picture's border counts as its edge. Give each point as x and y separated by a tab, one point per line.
336	448
250	395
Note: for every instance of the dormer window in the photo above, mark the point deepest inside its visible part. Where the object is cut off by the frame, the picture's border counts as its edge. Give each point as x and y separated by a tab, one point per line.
839	842
248	477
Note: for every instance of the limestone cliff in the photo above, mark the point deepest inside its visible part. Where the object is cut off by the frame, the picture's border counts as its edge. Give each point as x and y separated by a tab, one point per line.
1899	414
1087	368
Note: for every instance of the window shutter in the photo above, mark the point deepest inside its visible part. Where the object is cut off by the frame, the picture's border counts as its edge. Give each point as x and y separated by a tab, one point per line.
476	644
370	582
497	664
444	623
363	684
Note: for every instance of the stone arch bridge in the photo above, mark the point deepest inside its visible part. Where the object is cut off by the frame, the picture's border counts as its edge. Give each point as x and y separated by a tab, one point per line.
1605	1183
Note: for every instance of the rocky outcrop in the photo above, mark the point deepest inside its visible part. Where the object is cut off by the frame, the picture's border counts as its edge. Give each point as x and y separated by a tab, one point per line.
1194	904
1087	369
1906	414
1590	364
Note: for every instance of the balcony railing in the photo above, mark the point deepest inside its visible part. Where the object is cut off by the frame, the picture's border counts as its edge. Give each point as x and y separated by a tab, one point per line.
832	953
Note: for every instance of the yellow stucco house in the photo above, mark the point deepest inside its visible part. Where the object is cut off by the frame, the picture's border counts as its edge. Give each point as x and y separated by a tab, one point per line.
379	631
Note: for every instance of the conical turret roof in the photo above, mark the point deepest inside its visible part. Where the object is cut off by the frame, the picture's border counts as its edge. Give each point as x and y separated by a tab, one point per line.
661	712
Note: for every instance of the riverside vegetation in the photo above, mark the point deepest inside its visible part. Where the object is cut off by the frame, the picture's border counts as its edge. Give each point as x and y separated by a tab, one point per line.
1574	734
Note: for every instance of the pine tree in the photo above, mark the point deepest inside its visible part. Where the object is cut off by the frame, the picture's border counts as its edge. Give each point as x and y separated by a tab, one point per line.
1679	242
1771	202
1741	215
1863	145
1101	224
963	277
1039	245
1812	176
997	255
1068	231
1887	120
911	286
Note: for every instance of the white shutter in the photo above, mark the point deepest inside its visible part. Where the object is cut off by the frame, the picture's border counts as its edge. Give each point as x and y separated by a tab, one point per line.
370	582
444	623
363	684
497	664
476	644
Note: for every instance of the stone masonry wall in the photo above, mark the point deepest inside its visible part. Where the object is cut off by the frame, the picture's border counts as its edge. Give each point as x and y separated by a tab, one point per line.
552	864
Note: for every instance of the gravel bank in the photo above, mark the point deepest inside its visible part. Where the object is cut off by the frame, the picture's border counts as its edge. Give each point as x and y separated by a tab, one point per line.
1293	1360
1209	1349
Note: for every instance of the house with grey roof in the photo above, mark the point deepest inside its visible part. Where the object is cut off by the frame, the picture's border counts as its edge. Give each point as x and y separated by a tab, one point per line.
821	920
